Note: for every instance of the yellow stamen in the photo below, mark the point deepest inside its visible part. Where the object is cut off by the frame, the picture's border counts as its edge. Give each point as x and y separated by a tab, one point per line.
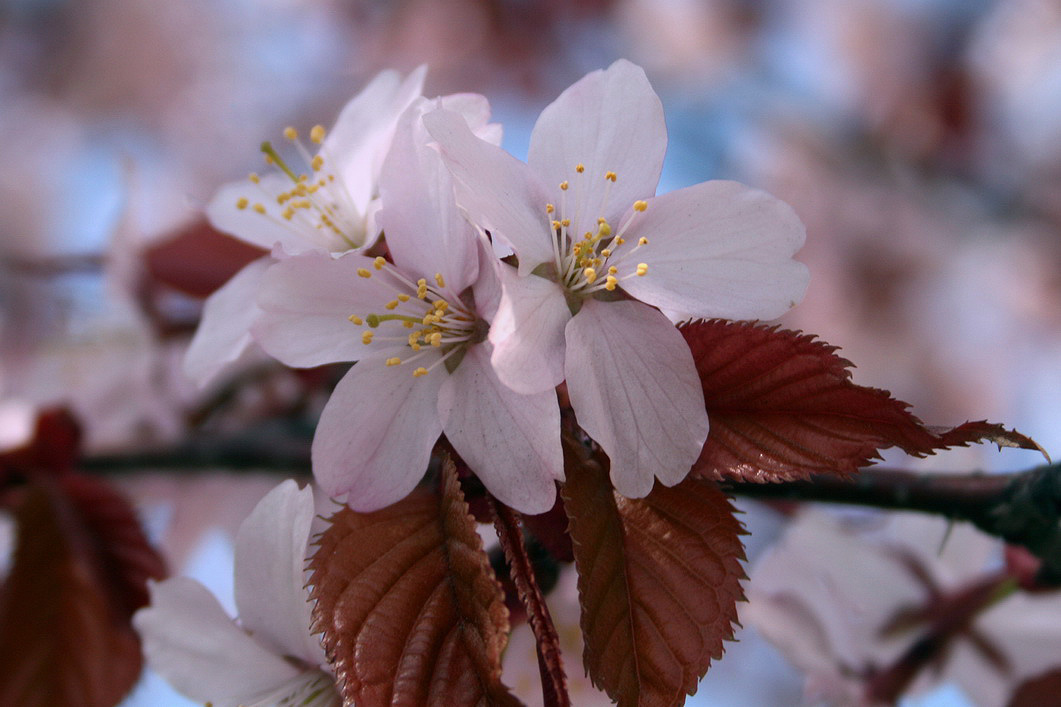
290	133
642	241
379	262
393	304
366	337
438	279
241	203
580	168
317	163
642	268
441	305
393	361
590	274
254	177
436	339
363	272
259	208
640	205
317	134
549	208
610	176
403	297
421	371
356	319
610	283
564	185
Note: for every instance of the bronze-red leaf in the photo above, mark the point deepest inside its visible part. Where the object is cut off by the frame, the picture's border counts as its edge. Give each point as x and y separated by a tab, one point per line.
411	612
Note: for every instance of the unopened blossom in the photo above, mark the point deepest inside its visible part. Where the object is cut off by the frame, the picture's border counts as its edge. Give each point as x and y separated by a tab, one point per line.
269	658
326	201
417	325
601	259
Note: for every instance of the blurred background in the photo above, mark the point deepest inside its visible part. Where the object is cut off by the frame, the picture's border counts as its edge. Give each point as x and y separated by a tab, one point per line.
919	140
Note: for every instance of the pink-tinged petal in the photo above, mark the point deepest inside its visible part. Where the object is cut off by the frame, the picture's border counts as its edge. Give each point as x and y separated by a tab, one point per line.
426	232
306	301
224	330
634	389
375	434
269	577
609	121
717	249
498	191
528	332
487	289
271	228
476	111
195	646
510	441
358	142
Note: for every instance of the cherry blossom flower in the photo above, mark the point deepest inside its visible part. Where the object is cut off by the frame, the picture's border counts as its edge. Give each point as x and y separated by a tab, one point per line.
269	657
601	260
333	211
417	327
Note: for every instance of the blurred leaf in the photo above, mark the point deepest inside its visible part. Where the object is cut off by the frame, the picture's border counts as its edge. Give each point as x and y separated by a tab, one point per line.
658	580
782	406
80	570
1039	691
410	609
198	259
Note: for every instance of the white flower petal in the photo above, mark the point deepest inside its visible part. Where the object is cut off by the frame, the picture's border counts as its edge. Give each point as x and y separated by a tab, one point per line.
224	330
510	441
528	332
635	390
426	232
499	192
269	577
268	229
718	249
193	644
375	435
609	120
306	302
358	142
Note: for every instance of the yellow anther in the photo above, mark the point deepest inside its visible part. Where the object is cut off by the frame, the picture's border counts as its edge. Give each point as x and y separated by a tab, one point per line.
563	185
259	208
317	134
254	177
363	272
439	279
642	268
393	361
312	189
288	213
403	297
642	241
241	203
611	282
619	240
269	159
613	270
407	325
580	168
549	208
290	133
556	225
436	339
421	371
590	274
606	253
566	223
428	320
317	163
441	305
366	337
610	176
393	304
640	205
356	319
379	262
414	337
604	230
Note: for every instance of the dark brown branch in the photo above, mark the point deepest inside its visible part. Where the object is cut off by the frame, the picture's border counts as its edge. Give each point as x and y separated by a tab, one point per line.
1022	509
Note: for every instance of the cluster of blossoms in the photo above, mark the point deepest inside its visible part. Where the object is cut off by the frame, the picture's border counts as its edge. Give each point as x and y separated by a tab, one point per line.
498	281
495	281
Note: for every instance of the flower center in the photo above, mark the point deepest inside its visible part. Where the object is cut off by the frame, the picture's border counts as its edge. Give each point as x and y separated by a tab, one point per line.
317	201
594	260
427	318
